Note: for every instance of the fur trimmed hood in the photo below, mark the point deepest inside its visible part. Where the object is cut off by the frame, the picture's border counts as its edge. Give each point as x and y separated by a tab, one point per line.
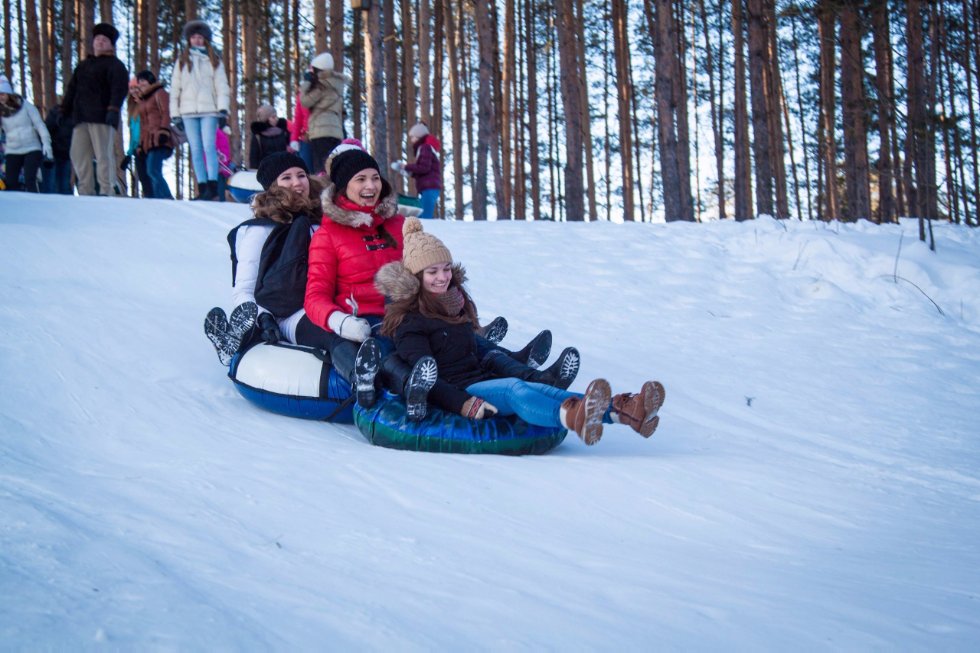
395	282
387	207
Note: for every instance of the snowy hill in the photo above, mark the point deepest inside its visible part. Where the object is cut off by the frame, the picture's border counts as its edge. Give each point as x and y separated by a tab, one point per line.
813	485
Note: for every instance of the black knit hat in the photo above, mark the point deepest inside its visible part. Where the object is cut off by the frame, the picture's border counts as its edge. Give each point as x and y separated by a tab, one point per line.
275	164
197	27
147	76
106	30
349	163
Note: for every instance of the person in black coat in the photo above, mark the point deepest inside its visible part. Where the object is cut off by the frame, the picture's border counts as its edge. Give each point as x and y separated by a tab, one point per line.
57	176
93	100
270	134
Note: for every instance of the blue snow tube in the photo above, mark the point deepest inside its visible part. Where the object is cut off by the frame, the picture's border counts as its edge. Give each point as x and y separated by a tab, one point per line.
292	380
385	424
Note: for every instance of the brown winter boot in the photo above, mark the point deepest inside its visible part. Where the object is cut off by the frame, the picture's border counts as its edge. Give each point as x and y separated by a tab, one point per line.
639	411
584	416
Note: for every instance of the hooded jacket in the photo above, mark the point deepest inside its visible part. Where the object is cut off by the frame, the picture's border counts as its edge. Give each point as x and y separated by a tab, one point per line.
427	169
154	111
267	139
350	246
325	100
200	90
25	130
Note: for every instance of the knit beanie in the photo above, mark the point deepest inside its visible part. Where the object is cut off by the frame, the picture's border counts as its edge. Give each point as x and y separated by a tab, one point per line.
197	27
275	164
347	164
147	76
421	249
5	86
323	61
264	112
106	30
418	131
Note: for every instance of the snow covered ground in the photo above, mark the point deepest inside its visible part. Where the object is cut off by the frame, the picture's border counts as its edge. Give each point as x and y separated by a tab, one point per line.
814	484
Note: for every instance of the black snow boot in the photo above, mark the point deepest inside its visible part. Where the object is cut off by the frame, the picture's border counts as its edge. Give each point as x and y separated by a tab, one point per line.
213	191
560	374
535	352
202	192
410	383
496	330
359	365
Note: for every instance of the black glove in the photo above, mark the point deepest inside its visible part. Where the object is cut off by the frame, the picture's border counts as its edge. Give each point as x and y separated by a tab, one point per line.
268	329
125	162
309	76
223	119
112	118
178	123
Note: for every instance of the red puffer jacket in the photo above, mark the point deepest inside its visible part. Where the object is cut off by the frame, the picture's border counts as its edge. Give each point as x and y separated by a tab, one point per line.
351	245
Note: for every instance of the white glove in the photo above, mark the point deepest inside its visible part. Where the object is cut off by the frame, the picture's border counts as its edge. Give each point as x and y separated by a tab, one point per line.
294	146
47	153
398	166
349	327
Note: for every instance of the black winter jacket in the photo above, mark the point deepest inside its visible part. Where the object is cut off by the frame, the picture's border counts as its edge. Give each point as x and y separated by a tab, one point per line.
98	84
267	139
455	350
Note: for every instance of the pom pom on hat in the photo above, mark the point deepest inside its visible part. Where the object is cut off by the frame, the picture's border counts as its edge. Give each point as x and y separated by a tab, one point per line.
421	249
106	30
275	164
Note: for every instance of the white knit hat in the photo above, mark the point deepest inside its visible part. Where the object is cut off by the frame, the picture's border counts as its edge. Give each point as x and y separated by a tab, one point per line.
5	86
323	61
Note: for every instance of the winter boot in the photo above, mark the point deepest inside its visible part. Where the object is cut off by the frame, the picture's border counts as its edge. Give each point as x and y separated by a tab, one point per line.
202	191
639	411
563	371
212	191
496	330
216	329
535	352
367	362
584	415
243	319
420	381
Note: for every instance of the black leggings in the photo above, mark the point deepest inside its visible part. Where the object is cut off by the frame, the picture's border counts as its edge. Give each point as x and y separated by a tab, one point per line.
322	147
30	163
342	352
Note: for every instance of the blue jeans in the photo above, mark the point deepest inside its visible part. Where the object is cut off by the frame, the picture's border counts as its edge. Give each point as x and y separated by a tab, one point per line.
57	177
429	199
306	153
154	169
535	403
204	151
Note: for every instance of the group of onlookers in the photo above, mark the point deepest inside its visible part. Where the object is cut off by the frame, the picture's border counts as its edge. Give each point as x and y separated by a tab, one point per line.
80	133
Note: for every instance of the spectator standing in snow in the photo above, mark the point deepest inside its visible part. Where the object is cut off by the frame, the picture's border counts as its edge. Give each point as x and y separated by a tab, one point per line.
28	142
299	138
427	170
133	152
94	100
156	140
322	92
199	101
57	177
270	134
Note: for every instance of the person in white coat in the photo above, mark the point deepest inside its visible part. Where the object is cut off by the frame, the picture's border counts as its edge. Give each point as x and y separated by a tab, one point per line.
28	140
199	100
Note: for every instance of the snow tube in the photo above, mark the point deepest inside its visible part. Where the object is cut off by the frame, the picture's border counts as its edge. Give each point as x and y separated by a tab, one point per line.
409	206
293	381
243	185
385	425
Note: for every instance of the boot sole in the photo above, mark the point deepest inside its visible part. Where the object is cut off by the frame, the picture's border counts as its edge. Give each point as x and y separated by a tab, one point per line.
496	330
597	398
367	362
568	364
242	319
420	381
653	394
216	329
540	350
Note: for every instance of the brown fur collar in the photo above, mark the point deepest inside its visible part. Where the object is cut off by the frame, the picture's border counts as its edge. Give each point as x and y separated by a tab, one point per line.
395	282
387	207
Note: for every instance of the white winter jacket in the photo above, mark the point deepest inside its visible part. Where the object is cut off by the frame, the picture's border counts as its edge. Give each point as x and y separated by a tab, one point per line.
26	132
201	90
249	240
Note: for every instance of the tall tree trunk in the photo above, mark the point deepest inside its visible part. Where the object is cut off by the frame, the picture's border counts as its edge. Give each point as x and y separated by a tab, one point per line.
455	97
357	76
742	181
374	69
826	130
571	94
532	110
760	83
624	99
336	34
886	111
586	120
969	30
392	86
320	25
716	111
853	100
427	23
919	141
485	111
